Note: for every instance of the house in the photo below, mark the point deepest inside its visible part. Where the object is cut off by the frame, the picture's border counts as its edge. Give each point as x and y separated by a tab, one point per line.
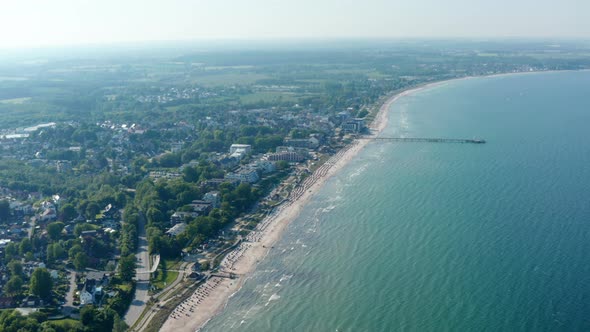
202	208
48	215
109	211
86	297
176	229
31	301
92	287
213	197
265	166
179	216
91	233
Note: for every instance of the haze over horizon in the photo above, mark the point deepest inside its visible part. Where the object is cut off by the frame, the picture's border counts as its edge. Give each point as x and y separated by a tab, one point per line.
36	23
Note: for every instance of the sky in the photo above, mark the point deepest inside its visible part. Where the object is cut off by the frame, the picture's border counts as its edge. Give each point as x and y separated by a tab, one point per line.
37	23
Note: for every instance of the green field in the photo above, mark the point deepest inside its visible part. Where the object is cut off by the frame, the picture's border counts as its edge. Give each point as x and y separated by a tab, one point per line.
268	96
228	79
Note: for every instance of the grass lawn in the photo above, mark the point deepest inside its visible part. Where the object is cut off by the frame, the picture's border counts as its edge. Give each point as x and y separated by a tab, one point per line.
164	276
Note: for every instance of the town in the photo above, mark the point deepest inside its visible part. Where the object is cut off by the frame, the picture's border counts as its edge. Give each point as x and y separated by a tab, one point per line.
123	196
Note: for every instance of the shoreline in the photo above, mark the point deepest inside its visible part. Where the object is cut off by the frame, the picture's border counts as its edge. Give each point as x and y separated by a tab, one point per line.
211	297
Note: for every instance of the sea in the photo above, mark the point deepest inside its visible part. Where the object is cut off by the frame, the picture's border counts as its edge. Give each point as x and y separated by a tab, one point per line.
443	236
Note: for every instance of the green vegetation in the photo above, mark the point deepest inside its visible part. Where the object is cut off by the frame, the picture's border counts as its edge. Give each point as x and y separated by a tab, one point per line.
136	139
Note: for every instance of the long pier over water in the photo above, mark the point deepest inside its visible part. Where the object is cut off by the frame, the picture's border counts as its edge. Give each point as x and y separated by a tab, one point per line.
425	139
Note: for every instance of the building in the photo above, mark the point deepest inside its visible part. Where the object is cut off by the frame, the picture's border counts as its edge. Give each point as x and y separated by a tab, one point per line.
202	208
244	175
213	197
214	183
355	125
156	175
310	143
286	156
179	217
176	229
92	287
247	148
176	147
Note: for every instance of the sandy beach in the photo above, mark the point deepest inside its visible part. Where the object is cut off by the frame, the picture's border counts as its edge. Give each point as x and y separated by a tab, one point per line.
210	298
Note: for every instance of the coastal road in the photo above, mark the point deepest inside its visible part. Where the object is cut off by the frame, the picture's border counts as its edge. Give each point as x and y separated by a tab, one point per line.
143	279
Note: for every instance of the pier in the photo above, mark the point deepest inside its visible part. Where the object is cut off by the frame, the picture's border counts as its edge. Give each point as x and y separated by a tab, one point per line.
426	140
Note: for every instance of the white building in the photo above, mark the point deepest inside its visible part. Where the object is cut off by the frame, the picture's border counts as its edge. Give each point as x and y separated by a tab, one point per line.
244	175
237	147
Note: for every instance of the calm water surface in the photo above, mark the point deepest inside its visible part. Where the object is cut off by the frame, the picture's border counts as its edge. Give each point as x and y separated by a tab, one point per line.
445	237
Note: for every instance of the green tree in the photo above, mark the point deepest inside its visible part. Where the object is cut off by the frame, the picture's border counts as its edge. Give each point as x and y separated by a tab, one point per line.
14	286
4	211
41	283
11	251
80	261
127	267
119	324
54	230
25	246
74	250
67	212
92	209
13	321
16	268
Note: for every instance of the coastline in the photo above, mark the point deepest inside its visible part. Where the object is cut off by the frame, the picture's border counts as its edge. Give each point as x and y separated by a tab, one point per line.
210	298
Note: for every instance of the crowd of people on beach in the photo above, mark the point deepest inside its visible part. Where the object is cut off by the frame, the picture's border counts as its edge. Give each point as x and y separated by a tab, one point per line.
188	306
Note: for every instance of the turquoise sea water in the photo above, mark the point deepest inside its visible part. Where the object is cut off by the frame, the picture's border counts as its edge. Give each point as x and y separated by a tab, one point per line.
444	237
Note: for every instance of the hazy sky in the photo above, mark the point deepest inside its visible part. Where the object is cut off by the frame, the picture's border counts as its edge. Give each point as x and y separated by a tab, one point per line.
56	22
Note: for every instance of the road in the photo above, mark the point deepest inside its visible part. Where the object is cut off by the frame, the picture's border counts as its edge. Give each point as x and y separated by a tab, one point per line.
69	305
164	295
143	279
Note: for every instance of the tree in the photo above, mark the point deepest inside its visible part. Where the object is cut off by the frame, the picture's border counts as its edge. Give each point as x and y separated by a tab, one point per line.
11	251
67	212
50	257
54	230
25	246
14	286
87	315
74	250
119	324
41	283
190	174
12	321
4	211
127	267
80	261
92	209
16	268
